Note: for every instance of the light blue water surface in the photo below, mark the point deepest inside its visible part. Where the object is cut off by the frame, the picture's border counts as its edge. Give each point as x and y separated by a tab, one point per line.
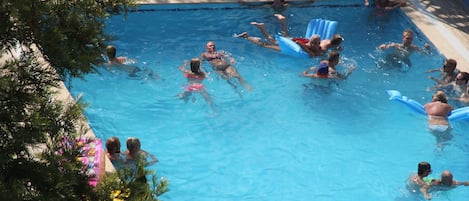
282	140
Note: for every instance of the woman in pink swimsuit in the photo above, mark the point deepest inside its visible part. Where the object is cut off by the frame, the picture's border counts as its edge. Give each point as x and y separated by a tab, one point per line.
194	76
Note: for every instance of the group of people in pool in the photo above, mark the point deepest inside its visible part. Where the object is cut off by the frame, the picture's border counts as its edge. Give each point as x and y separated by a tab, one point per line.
131	157
424	183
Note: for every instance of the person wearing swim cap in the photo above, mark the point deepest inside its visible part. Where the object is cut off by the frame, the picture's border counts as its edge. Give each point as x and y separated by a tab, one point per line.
327	68
444	183
416	182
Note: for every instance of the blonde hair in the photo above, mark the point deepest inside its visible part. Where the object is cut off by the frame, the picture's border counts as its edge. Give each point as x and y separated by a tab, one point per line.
440	96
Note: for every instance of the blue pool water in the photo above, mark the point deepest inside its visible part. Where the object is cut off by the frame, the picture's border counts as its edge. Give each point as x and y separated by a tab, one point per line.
282	140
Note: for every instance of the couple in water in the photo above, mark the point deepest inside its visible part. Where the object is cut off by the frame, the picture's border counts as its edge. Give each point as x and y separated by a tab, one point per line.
220	61
314	46
422	182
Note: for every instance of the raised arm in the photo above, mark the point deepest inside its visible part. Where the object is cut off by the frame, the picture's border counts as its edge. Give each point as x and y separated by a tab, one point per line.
183	68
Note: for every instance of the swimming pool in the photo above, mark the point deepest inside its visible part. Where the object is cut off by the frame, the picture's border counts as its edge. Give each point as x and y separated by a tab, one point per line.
282	140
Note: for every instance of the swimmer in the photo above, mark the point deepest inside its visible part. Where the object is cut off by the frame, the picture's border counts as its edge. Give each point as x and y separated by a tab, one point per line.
120	63
446	182
313	46
194	76
222	63
387	4
456	88
278	6
438	111
113	151
402	51
448	72
331	62
134	153
416	182
111	55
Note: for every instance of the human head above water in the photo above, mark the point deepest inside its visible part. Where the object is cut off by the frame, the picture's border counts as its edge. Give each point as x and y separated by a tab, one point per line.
424	168
195	65
111	51
315	39
210	46
407	37
462	77
447	178
133	145
450	65
336	40
113	145
440	96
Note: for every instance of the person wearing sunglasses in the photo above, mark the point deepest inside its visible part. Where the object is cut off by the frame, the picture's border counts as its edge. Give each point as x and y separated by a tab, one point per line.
448	72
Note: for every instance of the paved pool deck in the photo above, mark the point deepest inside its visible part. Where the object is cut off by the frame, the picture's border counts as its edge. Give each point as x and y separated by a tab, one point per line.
444	22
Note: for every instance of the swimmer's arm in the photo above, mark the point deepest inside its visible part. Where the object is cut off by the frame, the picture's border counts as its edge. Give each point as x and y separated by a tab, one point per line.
433	70
425	193
390	45
367	3
425	50
307	74
436	80
182	67
147	155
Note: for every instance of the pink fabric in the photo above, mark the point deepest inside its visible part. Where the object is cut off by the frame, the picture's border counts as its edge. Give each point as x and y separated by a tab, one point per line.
91	156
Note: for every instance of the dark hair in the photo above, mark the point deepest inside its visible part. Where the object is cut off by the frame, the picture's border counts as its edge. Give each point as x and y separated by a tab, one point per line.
451	63
111	51
423	167
333	56
195	66
113	145
336	40
465	76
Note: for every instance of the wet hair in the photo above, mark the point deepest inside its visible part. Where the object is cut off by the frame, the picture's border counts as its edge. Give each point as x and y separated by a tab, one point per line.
464	76
423	167
195	66
133	144
408	31
336	40
333	57
316	38
440	96
111	51
113	145
451	63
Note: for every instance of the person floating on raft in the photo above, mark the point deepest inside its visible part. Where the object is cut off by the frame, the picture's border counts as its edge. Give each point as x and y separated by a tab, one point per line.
309	46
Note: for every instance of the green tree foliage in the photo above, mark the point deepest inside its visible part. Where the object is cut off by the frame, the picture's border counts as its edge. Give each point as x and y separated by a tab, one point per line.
131	185
41	43
69	33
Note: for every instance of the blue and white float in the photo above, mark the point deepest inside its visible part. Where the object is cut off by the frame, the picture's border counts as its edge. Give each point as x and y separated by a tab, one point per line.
321	27
456	114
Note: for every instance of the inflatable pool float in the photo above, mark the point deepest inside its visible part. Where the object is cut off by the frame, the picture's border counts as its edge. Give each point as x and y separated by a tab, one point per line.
456	114
321	27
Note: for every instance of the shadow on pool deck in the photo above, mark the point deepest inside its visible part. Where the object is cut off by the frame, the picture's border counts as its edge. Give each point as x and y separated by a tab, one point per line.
453	12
